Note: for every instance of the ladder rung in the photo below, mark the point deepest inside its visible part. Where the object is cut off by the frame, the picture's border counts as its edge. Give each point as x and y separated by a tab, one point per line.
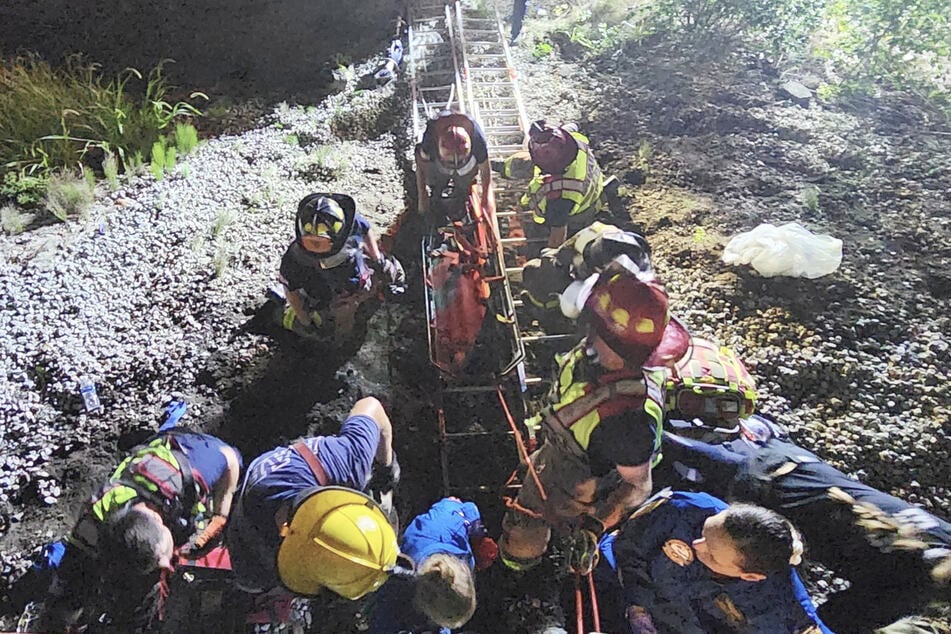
475	434
537	338
468	389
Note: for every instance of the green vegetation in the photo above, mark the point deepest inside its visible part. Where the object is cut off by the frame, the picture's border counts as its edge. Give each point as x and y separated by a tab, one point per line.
542	49
68	118
110	169
810	197
861	43
68	195
12	220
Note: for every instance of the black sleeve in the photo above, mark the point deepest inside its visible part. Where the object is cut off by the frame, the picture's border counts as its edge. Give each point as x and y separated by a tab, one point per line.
557	212
626	439
427	147
480	149
291	274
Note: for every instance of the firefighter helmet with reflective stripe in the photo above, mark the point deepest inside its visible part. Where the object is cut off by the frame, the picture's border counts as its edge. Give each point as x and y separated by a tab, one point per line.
712	385
551	149
327	216
454	146
631	316
336	538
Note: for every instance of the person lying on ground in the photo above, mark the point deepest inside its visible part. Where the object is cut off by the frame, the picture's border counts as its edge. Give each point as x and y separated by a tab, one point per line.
687	563
896	556
447	544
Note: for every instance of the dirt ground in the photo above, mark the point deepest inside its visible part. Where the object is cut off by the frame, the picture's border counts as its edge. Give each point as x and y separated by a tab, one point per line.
724	152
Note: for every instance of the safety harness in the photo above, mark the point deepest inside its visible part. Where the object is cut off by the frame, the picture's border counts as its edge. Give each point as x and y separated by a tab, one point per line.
156	472
575	416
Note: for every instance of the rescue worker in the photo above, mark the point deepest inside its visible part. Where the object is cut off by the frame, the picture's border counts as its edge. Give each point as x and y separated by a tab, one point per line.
453	150
545	279
303	520
688	563
327	271
896	556
565	191
171	496
604	420
447	544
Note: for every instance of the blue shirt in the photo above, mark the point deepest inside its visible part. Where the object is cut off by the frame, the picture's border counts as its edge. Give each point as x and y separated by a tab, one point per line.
276	478
205	456
660	573
444	528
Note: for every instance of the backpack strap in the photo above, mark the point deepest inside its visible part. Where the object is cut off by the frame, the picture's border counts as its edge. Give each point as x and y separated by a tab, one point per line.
311	459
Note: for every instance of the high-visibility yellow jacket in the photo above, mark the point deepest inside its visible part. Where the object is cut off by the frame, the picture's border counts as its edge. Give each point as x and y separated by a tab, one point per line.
581	183
580	403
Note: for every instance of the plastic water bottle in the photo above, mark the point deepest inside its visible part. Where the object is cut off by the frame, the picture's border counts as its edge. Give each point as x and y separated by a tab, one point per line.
88	391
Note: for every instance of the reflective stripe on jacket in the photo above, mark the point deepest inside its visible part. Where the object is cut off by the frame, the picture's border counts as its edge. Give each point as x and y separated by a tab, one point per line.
153	473
581	183
579	402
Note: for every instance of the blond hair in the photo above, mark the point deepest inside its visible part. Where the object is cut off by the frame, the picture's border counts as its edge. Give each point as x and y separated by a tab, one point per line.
445	590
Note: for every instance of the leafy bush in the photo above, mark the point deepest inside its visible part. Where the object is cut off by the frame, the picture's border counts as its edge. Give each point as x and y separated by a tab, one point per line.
25	189
68	195
50	118
186	137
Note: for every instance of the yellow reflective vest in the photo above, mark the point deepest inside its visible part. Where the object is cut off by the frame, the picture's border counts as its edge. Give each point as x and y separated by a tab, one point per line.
152	473
581	183
580	403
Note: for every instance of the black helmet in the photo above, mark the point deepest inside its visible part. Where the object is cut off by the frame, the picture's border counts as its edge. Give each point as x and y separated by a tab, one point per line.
326	215
611	244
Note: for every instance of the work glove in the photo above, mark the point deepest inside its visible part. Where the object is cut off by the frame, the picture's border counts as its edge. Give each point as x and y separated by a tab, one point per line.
640	620
394	274
485	551
582	551
385	478
204	541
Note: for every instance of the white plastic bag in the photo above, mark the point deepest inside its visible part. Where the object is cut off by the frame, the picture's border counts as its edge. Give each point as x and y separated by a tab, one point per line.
790	249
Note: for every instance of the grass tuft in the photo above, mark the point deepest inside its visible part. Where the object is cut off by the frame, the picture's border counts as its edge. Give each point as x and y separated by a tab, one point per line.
68	195
12	220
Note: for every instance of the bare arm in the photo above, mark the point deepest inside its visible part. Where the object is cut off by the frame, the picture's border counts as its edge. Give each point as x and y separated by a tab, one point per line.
373	409
635	487
226	486
372	246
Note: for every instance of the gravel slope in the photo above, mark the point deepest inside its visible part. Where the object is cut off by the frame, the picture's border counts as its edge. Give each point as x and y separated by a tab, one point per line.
148	294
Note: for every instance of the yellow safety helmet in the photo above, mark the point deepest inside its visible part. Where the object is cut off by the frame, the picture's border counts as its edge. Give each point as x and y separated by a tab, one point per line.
336	538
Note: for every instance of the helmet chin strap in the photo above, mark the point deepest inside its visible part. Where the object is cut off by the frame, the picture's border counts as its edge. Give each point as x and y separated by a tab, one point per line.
335	260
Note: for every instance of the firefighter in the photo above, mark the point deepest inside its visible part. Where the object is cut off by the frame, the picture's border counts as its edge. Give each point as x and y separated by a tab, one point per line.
303	519
327	271
170	497
896	556
688	563
546	278
565	192
603	423
453	151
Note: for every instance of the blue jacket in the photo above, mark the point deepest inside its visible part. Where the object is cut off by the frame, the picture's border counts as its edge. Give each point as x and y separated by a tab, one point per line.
444	528
659	573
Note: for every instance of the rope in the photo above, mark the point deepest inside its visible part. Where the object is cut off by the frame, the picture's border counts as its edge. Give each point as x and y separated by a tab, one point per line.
579	603
522	450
